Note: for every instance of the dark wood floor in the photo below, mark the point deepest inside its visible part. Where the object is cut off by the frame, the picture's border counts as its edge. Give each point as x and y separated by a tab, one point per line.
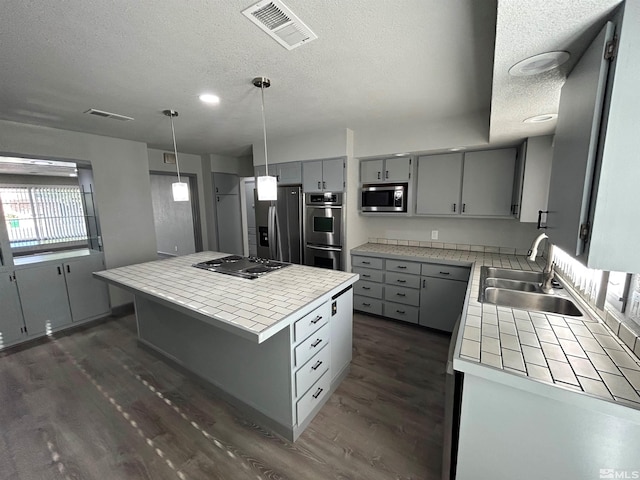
94	405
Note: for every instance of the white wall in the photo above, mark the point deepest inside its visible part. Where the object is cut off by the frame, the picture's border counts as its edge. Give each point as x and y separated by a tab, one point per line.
309	146
242	166
122	187
188	164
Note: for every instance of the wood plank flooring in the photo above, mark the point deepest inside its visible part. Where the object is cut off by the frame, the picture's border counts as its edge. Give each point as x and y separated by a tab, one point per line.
94	405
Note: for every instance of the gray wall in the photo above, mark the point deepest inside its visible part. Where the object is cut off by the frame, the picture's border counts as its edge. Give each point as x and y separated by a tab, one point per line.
122	187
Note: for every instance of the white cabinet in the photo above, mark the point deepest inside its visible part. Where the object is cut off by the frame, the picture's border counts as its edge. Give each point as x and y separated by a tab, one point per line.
474	184
395	169
592	208
531	191
289	173
11	320
323	175
88	296
439	184
341	332
43	295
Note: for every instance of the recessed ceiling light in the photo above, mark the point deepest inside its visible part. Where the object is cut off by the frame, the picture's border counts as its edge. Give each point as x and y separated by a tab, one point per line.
546	117
210	98
539	63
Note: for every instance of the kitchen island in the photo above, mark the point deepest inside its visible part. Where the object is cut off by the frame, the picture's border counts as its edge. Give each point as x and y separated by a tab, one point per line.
275	346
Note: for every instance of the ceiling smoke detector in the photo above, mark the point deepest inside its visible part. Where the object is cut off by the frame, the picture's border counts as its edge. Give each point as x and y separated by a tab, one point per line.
280	23
103	114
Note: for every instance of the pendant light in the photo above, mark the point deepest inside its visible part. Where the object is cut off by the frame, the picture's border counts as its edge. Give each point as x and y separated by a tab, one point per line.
180	189
267	185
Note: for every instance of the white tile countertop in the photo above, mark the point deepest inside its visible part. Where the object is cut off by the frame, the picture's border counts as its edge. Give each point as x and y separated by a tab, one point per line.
576	354
255	309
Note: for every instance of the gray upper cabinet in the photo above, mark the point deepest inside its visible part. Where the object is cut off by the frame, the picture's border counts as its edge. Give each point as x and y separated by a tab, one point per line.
487	183
226	184
88	296
289	173
531	190
323	175
439	184
11	321
396	169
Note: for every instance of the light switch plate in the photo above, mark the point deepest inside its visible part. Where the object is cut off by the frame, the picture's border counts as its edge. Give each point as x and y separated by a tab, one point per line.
434	234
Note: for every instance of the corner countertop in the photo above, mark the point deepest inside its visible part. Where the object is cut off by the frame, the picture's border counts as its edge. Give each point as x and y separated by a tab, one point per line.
546	354
255	309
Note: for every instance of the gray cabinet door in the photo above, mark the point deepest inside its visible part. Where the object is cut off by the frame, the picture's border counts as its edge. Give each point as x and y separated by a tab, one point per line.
487	183
439	184
576	143
11	322
441	302
227	183
371	171
43	294
229	224
88	297
312	176
397	169
289	173
333	175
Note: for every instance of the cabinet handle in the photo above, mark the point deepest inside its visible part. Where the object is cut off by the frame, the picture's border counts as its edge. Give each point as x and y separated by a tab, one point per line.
317	394
401	281
464	207
316	343
365	275
317	365
516	209
445	273
216	189
366	288
540	212
324	184
366	263
402	312
424	283
401	294
386	174
317	319
218	198
454	207
68	269
59	271
402	267
319	187
366	304
378	175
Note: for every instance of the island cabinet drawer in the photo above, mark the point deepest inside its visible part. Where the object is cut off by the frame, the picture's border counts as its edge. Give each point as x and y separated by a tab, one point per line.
311	371
403	267
403	280
311	322
368	289
313	397
311	345
406	313
366	262
408	296
369	275
446	271
366	304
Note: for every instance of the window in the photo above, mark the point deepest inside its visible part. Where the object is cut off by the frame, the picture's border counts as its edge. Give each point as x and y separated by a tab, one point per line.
37	215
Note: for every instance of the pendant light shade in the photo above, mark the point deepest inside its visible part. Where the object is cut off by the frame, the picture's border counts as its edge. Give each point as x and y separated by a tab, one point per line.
267	185
179	189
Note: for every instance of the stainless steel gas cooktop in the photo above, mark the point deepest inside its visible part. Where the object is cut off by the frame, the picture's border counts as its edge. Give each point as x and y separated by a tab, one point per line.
245	267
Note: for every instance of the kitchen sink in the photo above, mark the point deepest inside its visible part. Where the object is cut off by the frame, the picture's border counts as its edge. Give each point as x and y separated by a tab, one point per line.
513	284
507	274
531	301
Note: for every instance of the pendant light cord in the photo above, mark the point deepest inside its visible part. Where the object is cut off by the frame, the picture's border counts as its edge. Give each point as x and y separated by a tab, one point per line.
175	149
264	132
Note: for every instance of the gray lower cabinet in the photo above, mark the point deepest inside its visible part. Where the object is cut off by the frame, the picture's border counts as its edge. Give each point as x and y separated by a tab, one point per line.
88	296
43	295
11	320
429	294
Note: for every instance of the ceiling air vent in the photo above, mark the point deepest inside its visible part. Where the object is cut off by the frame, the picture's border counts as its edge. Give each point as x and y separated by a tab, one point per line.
280	23
115	116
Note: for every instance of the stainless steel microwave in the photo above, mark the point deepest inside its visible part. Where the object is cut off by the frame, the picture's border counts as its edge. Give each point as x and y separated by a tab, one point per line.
384	198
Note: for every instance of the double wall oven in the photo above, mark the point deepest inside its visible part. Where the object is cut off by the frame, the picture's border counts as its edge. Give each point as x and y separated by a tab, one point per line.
324	230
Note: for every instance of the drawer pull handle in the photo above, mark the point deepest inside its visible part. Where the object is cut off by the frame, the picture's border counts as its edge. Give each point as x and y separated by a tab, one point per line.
445	273
366	288
402	266
400	311
401	281
366	263
316	343
366	304
317	365
401	294
366	275
317	394
317	319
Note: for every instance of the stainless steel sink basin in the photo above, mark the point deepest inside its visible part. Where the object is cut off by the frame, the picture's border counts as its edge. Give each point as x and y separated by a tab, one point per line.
513	284
531	301
505	273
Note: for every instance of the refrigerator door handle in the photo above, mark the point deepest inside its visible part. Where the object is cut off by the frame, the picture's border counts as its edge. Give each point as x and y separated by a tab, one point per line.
271	231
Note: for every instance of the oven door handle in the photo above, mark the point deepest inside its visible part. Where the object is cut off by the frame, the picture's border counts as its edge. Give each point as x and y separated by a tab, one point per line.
326	249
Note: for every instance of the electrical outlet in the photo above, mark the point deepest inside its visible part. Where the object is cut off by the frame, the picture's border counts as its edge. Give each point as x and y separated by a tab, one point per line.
434	234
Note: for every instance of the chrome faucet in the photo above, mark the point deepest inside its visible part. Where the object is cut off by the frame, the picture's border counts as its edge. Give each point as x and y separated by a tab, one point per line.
548	273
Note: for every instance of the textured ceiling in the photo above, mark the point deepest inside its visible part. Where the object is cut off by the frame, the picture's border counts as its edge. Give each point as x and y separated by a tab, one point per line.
374	61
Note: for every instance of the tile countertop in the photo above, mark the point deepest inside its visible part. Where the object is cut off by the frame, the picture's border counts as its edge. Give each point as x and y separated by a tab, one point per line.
255	309
512	346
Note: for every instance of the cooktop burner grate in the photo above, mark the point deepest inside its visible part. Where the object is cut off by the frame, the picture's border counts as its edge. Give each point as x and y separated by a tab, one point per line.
245	267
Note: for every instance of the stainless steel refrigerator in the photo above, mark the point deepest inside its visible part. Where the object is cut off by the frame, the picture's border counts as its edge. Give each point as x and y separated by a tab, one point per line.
279	226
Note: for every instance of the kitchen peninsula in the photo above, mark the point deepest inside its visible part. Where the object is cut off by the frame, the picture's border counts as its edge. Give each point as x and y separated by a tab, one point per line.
275	346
